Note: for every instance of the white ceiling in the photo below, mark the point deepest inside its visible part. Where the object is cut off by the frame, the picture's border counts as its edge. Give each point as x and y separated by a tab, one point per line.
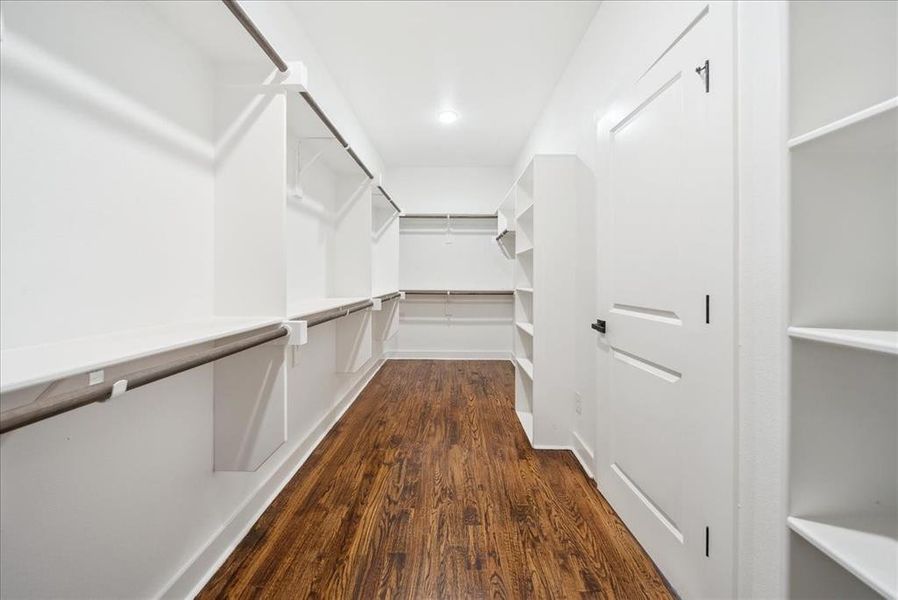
399	63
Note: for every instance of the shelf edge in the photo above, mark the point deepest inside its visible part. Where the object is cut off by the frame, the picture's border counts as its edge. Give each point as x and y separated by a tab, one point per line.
861	115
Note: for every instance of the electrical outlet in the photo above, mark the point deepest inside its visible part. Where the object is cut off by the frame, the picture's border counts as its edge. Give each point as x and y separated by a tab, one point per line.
578	403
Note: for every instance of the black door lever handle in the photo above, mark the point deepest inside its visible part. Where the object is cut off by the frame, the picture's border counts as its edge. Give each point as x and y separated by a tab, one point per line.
599	325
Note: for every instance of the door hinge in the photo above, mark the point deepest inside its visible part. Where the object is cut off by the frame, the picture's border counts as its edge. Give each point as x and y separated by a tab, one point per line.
707	541
599	325
704	72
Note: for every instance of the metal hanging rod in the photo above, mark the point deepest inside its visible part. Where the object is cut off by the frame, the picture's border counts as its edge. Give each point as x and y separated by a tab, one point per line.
333	129
503	234
359	162
281	65
388	297
459	292
390	200
44	408
448	216
260	39
323	316
327	122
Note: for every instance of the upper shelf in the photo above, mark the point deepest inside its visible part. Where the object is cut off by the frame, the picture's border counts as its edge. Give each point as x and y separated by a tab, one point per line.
449	216
311	306
873	128
867	546
865	339
33	365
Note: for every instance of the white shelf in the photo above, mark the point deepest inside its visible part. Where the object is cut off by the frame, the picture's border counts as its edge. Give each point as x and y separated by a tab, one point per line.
526	420
33	365
311	306
865	545
526	327
528	290
858	117
526	366
524	251
866	339
521	214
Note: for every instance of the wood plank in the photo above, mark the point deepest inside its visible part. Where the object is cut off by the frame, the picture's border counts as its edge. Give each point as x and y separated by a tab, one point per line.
428	488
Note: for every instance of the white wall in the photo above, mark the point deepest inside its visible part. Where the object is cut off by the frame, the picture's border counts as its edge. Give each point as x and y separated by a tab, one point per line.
100	158
620	44
463	255
448	189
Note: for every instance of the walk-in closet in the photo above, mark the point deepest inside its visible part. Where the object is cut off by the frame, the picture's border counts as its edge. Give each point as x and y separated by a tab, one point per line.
396	299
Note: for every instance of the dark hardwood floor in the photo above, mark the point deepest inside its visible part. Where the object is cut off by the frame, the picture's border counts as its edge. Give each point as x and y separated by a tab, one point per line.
428	488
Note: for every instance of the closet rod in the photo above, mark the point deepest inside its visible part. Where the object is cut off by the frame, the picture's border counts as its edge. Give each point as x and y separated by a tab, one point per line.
336	313
388	297
260	39
44	408
327	122
501	235
390	200
333	129
359	162
459	292
449	215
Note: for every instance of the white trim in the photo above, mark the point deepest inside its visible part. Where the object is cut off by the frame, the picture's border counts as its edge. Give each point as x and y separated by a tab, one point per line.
584	454
449	354
552	447
188	582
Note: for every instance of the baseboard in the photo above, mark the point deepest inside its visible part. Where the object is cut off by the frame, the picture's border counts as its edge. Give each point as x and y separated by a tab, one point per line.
449	354
190	580
584	455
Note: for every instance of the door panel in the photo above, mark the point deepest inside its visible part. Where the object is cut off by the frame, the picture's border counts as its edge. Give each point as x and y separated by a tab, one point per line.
667	242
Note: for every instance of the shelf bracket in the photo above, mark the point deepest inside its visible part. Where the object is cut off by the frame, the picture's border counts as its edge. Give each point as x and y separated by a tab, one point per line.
298	336
297	77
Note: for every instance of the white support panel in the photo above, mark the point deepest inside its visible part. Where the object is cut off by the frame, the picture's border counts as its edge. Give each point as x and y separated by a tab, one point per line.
353	341
250	411
386	321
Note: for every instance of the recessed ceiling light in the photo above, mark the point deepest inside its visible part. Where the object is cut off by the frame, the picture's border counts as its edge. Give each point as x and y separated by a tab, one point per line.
447	117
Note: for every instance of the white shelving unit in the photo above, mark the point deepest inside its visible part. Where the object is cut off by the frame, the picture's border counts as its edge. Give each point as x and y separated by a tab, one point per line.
544	209
331	221
865	545
179	242
844	308
228	203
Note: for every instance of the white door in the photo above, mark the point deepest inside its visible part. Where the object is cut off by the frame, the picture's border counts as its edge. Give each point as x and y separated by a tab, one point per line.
666	464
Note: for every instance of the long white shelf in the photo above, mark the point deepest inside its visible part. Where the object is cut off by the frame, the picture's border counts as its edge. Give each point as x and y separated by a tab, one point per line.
32	365
525	327
866	339
313	305
863	115
526	366
865	545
